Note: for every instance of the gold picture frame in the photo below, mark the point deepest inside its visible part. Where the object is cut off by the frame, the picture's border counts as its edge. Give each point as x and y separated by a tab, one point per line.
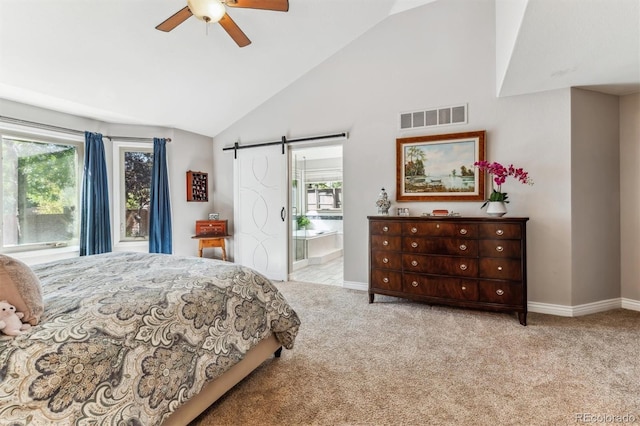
440	167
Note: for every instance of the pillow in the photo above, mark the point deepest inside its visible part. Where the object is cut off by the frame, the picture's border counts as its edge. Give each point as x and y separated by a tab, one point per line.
21	288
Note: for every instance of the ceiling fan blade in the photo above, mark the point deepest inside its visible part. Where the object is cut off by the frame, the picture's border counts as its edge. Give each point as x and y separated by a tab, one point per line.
174	20
234	31
278	5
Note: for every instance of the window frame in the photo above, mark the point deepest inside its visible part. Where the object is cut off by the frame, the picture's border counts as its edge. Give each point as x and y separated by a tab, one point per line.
29	134
119	204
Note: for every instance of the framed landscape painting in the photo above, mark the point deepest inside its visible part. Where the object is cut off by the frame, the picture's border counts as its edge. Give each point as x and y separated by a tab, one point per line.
440	167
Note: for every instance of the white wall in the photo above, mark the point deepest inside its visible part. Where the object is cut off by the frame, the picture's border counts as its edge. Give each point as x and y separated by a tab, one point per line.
509	16
595	197
629	198
440	54
187	151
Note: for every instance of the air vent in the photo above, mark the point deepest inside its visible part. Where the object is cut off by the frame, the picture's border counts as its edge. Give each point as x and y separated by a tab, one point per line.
434	117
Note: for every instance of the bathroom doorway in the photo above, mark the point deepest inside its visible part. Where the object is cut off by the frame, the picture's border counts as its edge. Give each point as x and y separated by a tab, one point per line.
316	242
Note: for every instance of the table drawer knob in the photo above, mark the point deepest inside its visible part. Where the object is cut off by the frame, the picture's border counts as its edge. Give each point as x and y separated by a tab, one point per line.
463	267
385	243
414	283
463	247
463	231
414	244
464	288
414	230
499	232
414	263
385	280
385	229
385	260
499	268
500	249
499	292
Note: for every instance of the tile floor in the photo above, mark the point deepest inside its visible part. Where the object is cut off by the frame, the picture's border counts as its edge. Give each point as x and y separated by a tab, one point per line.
326	273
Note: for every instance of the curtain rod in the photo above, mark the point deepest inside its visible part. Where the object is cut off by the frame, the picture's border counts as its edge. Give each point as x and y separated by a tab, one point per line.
236	146
72	131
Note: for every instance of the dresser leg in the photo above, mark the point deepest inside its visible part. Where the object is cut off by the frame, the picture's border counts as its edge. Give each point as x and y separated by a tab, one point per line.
371	297
522	316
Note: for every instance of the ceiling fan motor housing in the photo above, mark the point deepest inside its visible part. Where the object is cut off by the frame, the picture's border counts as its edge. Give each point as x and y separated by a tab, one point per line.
207	10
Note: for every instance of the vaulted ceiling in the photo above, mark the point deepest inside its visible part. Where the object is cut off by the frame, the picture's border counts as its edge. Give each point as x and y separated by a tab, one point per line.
104	59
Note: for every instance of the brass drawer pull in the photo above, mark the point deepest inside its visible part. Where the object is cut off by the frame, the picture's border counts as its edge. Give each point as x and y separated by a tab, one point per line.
500	249
463	247
414	244
385	260
463	231
414	283
385	243
385	229
385	280
414	230
499	292
499	232
463	267
414	263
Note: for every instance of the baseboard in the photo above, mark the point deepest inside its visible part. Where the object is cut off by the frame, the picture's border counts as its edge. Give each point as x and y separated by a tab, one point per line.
586	309
354	285
551	309
630	304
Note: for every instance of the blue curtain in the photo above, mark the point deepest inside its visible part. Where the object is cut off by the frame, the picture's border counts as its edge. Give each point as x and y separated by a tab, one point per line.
95	224
160	213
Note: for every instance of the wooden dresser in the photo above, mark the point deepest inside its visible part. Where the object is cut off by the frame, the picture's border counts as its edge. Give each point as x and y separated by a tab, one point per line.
471	262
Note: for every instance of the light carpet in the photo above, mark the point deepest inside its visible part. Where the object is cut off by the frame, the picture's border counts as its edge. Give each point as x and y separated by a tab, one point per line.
397	362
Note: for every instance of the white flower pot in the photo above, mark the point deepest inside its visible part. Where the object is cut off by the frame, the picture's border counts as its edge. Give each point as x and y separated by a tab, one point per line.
496	208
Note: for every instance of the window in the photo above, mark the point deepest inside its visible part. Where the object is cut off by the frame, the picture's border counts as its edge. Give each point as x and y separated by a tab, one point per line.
135	163
324	196
41	182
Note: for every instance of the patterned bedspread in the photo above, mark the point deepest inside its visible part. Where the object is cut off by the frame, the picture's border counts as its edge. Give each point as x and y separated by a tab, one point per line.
126	338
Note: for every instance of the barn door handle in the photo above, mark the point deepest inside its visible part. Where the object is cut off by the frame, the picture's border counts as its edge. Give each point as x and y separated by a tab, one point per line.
282	214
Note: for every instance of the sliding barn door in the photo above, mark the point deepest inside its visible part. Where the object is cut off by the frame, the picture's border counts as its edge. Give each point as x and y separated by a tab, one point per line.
260	210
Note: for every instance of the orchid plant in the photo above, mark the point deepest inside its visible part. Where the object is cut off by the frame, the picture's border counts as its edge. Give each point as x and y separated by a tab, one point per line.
499	175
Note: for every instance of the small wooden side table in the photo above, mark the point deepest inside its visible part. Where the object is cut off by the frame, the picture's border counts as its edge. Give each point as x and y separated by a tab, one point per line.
211	241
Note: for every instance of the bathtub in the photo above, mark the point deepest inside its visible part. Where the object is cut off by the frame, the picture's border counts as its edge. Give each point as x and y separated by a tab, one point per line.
318	246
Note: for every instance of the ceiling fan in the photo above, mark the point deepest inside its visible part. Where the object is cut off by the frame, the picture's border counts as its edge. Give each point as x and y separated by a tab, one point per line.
215	11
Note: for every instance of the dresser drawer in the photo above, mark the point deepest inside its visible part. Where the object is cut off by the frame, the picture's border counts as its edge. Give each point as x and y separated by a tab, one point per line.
436	245
384	242
385	227
440	229
500	292
500	230
386	280
448	288
211	227
440	265
505	269
386	260
500	248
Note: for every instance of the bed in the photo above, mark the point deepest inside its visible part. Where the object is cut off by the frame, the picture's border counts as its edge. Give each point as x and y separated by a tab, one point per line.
139	339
